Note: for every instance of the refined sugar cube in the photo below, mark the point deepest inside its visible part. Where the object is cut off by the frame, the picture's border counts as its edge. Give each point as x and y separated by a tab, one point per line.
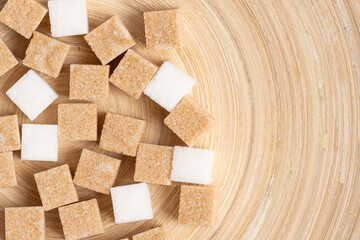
192	165
46	54
56	187
159	233
23	16
169	86
163	29
9	133
198	205
133	74
81	220
131	203
68	17
39	142
77	121
189	121
25	223
89	82
7	58
32	94
121	134
7	170
153	164
96	172
110	39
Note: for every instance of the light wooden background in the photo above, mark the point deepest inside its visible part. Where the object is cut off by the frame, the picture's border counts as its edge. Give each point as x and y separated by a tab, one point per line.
282	80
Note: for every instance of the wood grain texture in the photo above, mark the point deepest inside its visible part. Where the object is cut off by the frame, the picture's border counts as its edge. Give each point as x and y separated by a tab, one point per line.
282	78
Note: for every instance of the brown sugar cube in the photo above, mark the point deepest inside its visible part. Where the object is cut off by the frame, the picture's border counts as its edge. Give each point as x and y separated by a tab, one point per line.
46	54
163	29
9	134
80	220
159	233
25	223
121	134
7	170
89	82
189	121
96	172
23	16
133	73
110	39
7	58
56	187
153	164
198	205
77	121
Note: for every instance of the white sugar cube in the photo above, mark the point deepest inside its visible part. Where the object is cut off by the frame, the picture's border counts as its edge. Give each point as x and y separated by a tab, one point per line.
131	203
39	142
169	86
192	165
68	17
31	94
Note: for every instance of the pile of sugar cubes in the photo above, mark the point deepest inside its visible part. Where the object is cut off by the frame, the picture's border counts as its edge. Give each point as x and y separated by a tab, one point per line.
167	85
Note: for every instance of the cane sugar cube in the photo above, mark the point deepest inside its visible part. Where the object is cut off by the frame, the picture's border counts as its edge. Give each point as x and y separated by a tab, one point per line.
46	54
110	39
153	164
159	233
198	205
32	94
133	74
7	58
121	134
39	142
169	86
192	165
189	121
77	121
96	172
9	133
7	170
25	223
89	82
131	203
163	29
68	17
81	220
23	16
56	187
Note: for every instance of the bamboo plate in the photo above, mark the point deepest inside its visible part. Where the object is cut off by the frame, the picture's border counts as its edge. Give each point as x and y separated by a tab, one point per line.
281	78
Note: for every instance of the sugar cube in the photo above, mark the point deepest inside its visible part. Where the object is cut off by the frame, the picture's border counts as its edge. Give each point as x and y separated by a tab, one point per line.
68	17
192	165
110	39
198	205
23	16
24	223
7	170
131	203
153	164
9	133
7	58
56	187
121	134
96	172
81	220
133	74
46	54
39	142
169	86
32	94
189	121
77	121
89	82
163	29
159	233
